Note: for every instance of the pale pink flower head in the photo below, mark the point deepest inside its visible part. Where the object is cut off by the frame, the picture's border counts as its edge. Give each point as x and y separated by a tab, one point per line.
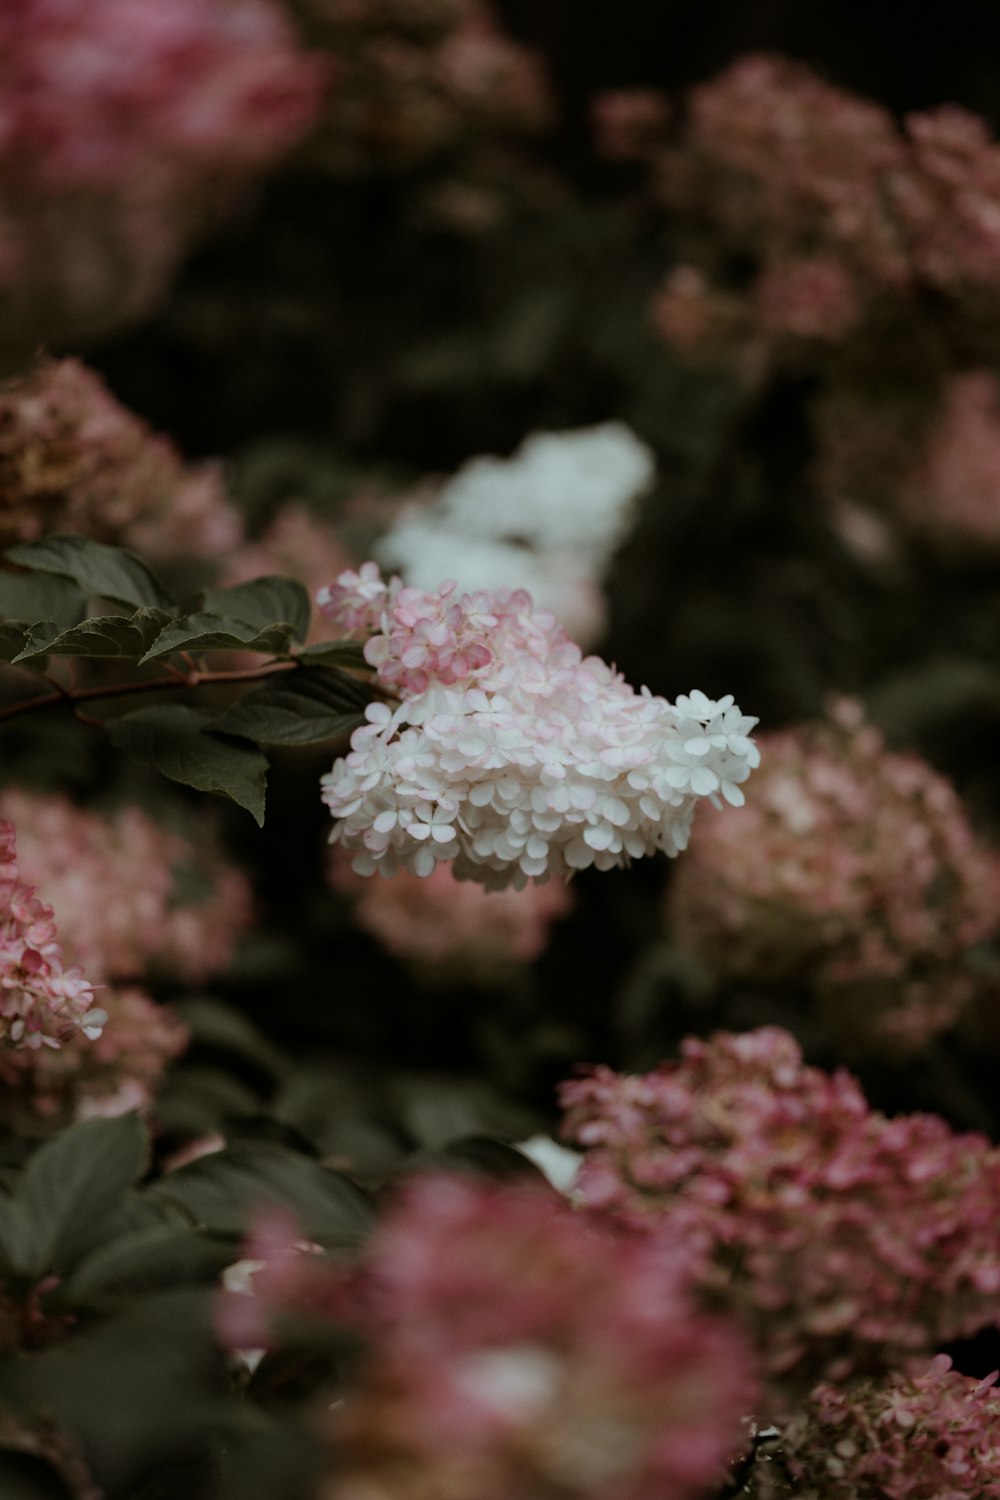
419	79
848	1240
851	867
112	1074
108	171
72	458
516	1348
510	753
929	1434
951	494
453	931
42	1002
131	897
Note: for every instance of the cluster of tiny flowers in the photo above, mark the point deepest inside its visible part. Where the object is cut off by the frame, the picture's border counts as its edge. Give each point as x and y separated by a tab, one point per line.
547	519
449	930
932	1435
73	459
115	1073
952	493
106	173
42	1002
834	203
418	77
129	895
849	865
511	755
849	1241
514	1348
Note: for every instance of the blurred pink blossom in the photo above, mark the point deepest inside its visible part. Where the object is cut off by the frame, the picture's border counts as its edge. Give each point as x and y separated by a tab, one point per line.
848	1240
516	1348
451	930
849	865
115	1073
124	129
130	896
42	1002
72	458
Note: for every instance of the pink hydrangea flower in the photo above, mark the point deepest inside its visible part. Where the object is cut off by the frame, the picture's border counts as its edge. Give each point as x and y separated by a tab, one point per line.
72	458
516	1348
510	753
453	931
952	492
107	172
130	896
849	866
112	1074
416	78
930	1434
42	1002
850	1241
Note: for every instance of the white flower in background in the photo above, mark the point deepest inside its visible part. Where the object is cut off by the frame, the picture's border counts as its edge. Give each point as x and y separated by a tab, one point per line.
548	520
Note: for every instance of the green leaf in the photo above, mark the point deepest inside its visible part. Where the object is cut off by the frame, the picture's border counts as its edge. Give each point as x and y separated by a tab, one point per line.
16	1238
172	738
263	602
120	636
335	654
107	572
222	1192
300	708
76	1180
13	634
205	632
154	1258
41	596
225	1029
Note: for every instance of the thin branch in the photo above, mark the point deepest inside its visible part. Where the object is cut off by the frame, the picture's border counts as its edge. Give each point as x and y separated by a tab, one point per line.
193	679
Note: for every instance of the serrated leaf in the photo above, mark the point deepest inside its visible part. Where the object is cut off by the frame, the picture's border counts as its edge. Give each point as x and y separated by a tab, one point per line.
208	632
13	634
40	596
77	1180
335	654
301	708
223	1191
119	636
154	1258
173	738
106	572
262	602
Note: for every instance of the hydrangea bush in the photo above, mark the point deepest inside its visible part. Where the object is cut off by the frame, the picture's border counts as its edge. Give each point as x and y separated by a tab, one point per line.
459	442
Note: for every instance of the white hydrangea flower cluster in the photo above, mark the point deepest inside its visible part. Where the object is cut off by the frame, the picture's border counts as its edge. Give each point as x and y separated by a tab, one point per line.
511	754
548	520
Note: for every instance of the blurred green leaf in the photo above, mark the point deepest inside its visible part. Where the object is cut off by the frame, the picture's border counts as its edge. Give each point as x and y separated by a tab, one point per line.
216	1025
17	1242
77	1180
153	1259
41	596
223	1191
106	572
171	737
301	708
121	636
142	1390
335	654
262	602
